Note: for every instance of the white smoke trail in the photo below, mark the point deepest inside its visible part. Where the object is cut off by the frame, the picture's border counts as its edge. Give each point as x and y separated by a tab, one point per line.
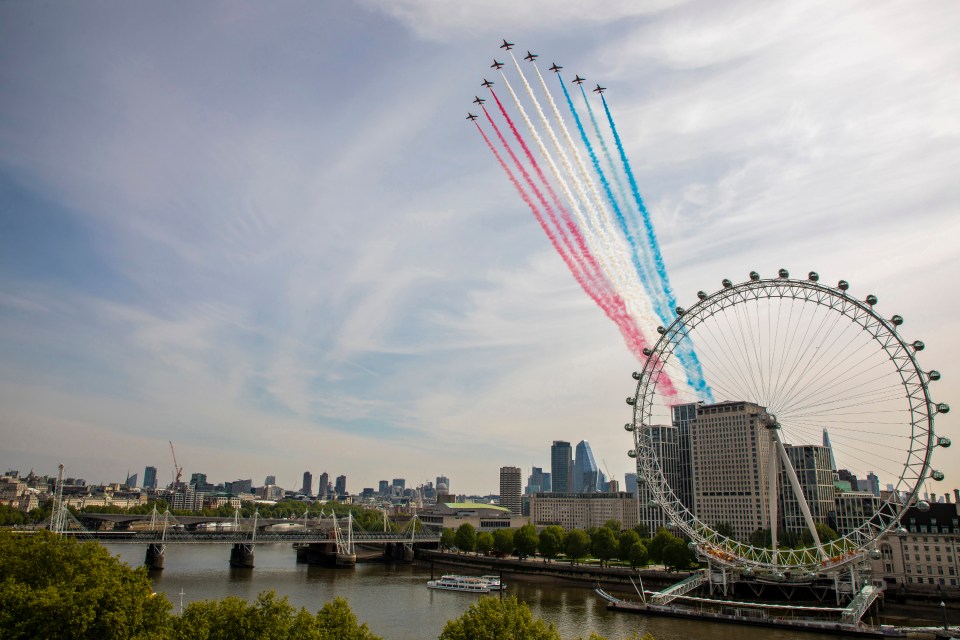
593	243
604	219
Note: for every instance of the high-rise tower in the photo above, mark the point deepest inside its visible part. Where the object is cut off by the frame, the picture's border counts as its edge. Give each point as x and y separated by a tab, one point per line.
510	488
561	466
585	470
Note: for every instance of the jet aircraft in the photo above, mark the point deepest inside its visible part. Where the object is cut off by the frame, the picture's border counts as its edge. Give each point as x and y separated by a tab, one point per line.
530	56
486	83
506	45
478	100
599	89
556	68
496	64
578	80
470	116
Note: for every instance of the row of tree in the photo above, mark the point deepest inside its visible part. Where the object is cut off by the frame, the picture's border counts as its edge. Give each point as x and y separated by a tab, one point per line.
61	589
603	543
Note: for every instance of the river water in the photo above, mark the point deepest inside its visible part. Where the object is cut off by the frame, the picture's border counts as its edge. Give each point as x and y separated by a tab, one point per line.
393	598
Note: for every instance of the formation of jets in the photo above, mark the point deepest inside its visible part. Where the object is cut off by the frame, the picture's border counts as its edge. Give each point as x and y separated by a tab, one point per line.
497	65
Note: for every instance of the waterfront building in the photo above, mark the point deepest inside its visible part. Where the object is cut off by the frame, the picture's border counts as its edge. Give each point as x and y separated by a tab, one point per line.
561	466
483	517
815	475
923	558
583	510
729	448
307	488
150	478
510	488
585	470
186	498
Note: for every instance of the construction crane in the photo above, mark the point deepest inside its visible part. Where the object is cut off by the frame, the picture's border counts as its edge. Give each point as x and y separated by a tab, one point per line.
177	467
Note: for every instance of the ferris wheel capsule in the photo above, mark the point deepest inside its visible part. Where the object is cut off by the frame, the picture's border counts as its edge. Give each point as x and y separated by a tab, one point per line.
923	506
754	276
871	299
843	285
726	283
944	442
918	345
875	554
629	427
637	375
702	295
933	375
813	276
937	475
783	273
943	407
896	320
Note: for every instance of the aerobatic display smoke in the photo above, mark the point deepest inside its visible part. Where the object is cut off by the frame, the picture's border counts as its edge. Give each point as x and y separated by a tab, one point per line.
600	228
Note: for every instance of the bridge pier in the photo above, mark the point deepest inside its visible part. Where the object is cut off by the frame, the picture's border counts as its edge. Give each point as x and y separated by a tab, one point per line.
154	559
241	556
317	553
346	559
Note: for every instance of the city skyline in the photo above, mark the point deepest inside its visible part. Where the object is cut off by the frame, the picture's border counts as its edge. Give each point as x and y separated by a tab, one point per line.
284	244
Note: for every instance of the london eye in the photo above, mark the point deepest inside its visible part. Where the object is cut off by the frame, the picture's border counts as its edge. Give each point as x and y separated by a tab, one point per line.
814	435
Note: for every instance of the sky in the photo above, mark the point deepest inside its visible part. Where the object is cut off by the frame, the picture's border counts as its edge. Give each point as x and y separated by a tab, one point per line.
266	232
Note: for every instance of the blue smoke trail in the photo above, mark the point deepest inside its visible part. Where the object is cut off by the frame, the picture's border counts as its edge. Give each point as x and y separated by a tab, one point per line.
685	352
621	191
645	275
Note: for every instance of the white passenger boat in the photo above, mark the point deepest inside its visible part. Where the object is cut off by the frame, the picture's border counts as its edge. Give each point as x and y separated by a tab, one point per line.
494	582
462	583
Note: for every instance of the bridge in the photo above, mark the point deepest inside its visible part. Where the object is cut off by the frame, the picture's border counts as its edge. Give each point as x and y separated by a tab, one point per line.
325	539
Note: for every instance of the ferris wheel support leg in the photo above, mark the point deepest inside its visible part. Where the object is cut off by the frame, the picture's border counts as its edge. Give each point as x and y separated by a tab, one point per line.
772	497
798	492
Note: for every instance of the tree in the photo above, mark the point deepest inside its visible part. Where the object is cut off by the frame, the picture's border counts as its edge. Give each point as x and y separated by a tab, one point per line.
637	554
603	544
551	541
626	540
724	529
656	545
761	538
11	516
269	618
525	540
484	542
677	554
613	525
448	538
503	541
642	530
53	587
576	544
824	532
466	537
491	619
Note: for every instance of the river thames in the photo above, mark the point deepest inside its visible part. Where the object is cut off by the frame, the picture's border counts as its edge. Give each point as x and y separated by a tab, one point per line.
393	598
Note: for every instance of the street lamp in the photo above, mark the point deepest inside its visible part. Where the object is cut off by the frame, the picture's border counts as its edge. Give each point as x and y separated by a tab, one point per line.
943	608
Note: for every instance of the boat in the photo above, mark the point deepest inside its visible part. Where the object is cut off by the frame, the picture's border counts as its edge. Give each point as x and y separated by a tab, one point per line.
494	582
461	583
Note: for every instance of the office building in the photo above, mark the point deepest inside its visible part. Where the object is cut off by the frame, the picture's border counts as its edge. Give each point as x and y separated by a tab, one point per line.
729	446
923	558
684	416
664	439
534	481
270	480
585	470
150	478
812	466
853	508
510	484
561	466
307	488
340	488
131	481
630	483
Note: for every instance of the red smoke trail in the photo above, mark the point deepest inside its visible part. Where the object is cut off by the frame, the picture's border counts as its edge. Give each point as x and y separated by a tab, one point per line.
613	306
591	270
572	229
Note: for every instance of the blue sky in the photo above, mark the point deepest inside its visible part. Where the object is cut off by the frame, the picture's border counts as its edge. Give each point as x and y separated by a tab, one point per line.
265	232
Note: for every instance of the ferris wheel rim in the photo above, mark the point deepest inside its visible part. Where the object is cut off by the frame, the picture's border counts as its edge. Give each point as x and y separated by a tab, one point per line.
882	331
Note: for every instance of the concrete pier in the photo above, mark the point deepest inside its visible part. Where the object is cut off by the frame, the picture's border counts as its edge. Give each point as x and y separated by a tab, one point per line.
241	556
154	558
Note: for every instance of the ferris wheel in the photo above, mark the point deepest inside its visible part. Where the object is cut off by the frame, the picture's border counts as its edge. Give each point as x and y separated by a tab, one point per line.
815	412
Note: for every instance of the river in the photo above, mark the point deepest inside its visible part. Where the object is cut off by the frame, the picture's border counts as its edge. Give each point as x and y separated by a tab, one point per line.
394	601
